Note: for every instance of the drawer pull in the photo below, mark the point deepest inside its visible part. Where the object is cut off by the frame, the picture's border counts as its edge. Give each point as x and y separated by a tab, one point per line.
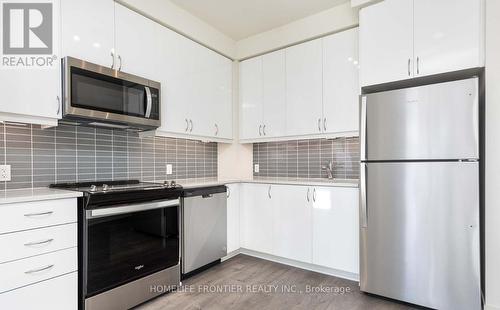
39	214
39	242
39	269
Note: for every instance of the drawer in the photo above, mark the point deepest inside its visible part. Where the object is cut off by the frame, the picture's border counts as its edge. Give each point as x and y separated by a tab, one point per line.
60	293
38	268
37	241
35	214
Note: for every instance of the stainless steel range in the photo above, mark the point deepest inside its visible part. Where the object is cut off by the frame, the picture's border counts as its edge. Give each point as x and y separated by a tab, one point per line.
129	242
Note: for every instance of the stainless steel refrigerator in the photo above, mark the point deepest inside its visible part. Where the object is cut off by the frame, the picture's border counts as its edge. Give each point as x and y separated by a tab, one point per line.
419	187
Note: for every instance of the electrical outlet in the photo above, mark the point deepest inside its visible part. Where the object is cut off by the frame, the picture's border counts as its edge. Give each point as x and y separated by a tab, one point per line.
256	168
169	168
4	172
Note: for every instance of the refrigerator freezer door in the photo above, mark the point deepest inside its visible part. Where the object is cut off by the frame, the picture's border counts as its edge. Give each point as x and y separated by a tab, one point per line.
438	121
421	241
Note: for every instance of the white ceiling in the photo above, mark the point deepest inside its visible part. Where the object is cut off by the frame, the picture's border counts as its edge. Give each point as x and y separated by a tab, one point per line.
240	19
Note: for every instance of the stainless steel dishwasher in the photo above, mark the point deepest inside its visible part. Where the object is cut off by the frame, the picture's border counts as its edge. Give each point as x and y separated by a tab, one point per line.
204	228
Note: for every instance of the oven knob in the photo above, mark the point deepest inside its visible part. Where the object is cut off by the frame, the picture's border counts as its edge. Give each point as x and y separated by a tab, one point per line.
166	184
173	184
93	188
105	187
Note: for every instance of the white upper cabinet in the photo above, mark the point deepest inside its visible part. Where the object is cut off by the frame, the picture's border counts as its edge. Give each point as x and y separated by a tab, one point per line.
341	82
88	30
251	98
33	95
137	44
447	35
335	241
386	42
222	94
402	39
274	94
304	107
177	88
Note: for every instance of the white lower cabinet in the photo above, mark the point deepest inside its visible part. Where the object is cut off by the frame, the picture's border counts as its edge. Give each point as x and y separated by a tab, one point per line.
55	294
233	217
291	222
335	234
256	218
38	267
316	225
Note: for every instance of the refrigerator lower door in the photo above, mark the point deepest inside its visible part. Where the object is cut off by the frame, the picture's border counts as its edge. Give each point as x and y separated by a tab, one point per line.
420	233
438	121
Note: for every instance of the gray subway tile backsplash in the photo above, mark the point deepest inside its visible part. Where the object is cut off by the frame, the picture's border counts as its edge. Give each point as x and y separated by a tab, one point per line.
303	159
67	153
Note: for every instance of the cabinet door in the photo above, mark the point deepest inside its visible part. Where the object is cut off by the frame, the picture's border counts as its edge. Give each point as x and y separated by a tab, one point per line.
304	109
233	217
386	42
447	35
137	44
250	98
88	30
222	93
35	92
256	218
340	82
177	54
335	228
292	222
274	94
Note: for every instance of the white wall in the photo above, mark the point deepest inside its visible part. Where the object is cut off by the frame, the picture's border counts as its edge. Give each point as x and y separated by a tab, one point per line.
492	155
332	20
178	19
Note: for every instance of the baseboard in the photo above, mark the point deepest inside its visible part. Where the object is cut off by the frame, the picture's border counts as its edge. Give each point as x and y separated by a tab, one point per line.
490	307
306	266
230	255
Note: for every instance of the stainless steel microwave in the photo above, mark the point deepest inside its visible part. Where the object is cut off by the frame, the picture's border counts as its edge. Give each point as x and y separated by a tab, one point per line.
103	97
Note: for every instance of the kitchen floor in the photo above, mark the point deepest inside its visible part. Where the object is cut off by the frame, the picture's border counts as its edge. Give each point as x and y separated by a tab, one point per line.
245	282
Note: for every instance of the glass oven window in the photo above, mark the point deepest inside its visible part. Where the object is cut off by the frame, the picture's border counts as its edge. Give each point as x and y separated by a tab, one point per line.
94	91
125	247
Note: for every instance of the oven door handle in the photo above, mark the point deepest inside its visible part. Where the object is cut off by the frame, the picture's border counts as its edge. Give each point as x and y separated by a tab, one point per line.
149	102
130	208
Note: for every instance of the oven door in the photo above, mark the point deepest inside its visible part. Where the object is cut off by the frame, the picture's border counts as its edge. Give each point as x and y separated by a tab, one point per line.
125	243
104	95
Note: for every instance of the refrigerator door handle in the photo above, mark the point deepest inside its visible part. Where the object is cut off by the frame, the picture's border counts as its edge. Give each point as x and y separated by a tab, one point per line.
362	198
362	127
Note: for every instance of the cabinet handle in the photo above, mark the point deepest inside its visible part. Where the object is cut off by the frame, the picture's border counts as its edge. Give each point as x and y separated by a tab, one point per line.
39	214
187	125
409	63
191	122
216	130
38	242
260	130
120	65
418	65
264	130
308	191
314	195
228	192
319	124
113	60
269	192
324	123
58	105
39	269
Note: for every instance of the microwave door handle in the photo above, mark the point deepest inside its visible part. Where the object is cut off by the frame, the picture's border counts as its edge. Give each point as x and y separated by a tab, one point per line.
149	102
